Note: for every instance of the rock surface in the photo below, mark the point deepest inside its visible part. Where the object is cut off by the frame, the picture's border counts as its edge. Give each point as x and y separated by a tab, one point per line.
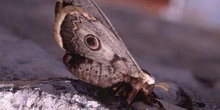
27	98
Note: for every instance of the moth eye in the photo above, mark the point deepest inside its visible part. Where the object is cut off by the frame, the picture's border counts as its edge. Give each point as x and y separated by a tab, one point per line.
92	42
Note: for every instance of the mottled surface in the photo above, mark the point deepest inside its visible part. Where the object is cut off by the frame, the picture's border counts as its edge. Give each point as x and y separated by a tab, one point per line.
184	55
33	98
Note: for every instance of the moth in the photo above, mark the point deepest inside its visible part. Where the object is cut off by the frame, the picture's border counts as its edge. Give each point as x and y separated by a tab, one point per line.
95	54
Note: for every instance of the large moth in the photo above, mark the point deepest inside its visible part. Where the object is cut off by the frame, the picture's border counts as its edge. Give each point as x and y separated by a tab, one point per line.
94	53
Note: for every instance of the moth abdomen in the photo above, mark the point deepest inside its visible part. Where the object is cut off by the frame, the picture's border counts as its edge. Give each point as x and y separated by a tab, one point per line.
92	71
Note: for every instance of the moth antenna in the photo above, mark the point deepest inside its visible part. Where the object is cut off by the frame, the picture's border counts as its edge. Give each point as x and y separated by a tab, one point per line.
164	86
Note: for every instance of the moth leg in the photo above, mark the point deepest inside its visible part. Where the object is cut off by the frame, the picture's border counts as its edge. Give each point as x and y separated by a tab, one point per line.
127	92
149	89
121	91
155	101
132	94
66	59
150	97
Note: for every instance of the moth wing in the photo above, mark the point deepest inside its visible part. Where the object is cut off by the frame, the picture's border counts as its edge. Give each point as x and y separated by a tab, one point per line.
94	9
